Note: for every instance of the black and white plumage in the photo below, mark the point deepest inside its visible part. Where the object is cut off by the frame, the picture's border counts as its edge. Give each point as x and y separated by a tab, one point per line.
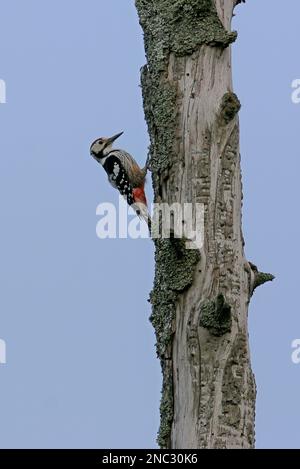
123	172
117	176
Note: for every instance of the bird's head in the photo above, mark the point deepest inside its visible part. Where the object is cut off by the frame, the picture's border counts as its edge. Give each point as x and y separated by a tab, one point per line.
102	146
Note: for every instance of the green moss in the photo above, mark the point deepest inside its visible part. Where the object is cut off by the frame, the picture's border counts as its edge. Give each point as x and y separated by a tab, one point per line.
260	278
230	106
215	315
166	411
196	23
160	109
175	268
180	26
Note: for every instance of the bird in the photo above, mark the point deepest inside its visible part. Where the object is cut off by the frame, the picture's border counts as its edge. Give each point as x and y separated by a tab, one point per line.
124	173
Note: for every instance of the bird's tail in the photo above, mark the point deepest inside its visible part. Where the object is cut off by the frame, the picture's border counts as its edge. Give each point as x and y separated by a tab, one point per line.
140	205
143	213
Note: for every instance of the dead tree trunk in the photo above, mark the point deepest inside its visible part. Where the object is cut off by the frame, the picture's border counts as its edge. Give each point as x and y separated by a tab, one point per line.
200	299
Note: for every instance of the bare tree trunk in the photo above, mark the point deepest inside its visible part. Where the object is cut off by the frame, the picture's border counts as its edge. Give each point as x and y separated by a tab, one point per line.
200	300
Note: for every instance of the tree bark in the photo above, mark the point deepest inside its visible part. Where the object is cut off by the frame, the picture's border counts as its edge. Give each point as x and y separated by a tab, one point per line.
200	299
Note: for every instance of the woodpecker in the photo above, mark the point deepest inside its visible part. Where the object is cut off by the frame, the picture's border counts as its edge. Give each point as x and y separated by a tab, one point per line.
123	173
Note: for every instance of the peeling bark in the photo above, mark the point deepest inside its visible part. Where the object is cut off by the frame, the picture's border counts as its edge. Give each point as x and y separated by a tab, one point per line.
199	300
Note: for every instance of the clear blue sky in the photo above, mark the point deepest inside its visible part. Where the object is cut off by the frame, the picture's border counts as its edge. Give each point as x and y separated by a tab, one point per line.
81	368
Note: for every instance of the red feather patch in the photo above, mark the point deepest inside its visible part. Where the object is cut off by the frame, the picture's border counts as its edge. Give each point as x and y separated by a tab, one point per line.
139	195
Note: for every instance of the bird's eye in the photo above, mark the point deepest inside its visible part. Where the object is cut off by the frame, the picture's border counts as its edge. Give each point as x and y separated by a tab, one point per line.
100	141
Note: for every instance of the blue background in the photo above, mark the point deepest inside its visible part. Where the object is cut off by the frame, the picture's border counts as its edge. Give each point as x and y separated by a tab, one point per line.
81	368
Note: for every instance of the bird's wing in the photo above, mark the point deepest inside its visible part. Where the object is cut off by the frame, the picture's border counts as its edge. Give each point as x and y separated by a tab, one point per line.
118	177
136	175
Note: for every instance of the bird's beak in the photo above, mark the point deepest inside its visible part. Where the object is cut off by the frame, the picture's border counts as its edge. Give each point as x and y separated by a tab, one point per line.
112	139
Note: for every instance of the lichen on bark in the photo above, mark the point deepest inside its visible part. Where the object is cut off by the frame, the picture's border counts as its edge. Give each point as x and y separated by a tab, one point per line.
166	406
175	266
215	315
261	278
159	98
180	26
174	272
230	106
